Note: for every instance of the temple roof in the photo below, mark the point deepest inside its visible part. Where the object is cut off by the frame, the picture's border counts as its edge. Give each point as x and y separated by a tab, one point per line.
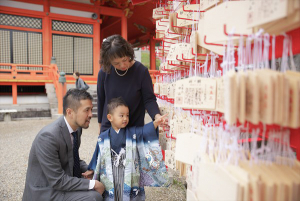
140	25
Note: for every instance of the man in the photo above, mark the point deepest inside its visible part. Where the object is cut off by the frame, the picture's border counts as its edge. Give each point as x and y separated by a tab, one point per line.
54	168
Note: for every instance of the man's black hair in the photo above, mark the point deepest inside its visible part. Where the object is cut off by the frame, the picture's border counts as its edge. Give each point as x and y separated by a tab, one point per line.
73	97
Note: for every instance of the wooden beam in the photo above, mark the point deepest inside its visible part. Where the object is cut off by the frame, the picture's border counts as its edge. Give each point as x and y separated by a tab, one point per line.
111	24
110	11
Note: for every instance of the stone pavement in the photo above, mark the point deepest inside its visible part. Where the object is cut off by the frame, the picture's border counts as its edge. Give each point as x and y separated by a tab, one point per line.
15	142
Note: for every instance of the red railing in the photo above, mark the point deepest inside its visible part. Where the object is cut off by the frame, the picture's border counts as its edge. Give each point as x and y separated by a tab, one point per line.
14	73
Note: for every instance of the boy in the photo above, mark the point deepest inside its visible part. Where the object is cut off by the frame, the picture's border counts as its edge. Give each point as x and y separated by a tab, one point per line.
128	158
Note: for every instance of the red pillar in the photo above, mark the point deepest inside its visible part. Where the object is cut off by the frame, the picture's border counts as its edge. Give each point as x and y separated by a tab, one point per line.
96	47
152	55
47	53
96	39
124	27
14	92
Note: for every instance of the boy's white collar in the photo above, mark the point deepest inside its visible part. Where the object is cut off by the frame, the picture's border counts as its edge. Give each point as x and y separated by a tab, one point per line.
117	131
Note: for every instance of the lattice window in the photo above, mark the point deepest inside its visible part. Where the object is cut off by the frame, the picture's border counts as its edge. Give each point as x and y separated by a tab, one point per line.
73	54
72	27
20	53
5	48
20	21
21	47
35	49
83	55
63	52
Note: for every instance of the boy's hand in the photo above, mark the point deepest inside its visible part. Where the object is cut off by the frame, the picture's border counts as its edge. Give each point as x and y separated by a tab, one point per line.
99	187
88	174
160	120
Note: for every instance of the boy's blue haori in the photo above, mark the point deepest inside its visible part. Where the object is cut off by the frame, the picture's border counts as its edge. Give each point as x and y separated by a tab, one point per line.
144	165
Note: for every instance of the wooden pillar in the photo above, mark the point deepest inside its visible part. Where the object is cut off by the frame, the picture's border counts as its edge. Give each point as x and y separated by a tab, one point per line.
124	27
47	53
14	92
152	54
96	39
96	46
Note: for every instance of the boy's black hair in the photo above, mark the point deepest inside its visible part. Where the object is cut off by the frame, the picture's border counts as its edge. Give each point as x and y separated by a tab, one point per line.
73	97
114	103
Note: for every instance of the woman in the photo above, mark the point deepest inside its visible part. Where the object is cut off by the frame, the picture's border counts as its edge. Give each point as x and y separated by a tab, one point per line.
121	75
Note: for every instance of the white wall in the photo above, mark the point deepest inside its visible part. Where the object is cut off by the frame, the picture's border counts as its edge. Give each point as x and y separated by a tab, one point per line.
16	4
4	100
71	12
36	7
138	54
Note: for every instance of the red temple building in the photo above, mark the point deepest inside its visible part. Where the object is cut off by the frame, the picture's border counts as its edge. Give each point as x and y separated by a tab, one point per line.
41	38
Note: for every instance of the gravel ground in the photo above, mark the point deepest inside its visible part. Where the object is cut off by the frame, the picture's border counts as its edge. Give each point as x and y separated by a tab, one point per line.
15	142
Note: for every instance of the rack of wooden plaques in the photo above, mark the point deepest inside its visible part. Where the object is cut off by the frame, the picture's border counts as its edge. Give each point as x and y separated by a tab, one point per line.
228	81
181	28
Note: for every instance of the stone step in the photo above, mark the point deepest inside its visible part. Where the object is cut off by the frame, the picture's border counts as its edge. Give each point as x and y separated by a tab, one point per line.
31	118
53	105
55	116
30	113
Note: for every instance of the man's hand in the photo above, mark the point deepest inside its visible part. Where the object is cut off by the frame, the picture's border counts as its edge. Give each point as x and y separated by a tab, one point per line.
160	120
99	187
88	174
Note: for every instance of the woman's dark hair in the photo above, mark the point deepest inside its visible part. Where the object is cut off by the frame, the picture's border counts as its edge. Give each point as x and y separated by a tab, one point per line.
114	47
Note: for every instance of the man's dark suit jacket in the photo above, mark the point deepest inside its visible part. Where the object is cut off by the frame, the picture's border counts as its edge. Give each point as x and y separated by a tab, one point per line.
50	164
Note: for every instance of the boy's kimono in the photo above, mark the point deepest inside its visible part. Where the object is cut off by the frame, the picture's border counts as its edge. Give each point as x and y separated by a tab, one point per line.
144	165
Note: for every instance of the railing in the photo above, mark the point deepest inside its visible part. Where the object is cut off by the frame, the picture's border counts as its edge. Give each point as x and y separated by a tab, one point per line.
15	73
